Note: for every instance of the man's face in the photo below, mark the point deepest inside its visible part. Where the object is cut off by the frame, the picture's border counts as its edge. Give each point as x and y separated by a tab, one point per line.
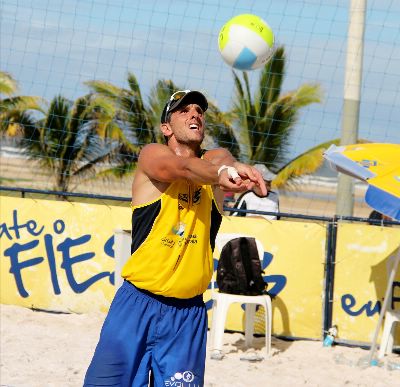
187	124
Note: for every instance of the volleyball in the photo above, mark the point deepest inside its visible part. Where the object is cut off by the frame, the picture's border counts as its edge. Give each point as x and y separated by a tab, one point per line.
246	42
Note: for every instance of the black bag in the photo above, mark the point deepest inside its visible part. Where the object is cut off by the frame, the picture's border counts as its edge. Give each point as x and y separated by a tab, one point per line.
239	268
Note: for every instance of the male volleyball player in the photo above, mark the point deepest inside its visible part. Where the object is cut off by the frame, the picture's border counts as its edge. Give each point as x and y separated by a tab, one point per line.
157	322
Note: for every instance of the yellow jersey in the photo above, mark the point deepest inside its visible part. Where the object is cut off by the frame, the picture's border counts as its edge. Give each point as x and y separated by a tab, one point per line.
172	241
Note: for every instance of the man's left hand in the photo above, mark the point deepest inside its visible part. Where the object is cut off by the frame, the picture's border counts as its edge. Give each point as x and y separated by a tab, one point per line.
251	177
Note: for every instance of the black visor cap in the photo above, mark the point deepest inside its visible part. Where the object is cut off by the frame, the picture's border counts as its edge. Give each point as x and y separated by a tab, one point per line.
190	97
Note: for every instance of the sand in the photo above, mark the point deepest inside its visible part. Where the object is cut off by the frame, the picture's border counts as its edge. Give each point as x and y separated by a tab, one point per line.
47	349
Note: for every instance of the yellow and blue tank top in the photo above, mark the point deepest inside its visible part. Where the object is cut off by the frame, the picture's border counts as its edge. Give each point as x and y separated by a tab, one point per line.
172	241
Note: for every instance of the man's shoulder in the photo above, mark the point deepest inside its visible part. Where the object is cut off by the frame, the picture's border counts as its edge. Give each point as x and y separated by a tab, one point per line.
215	152
151	151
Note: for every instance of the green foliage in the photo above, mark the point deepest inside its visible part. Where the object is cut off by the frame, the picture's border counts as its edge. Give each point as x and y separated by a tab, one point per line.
265	121
304	164
66	142
122	115
220	130
123	111
159	96
112	124
13	109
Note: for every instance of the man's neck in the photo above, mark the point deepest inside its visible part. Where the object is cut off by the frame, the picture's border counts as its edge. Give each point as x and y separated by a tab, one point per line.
185	150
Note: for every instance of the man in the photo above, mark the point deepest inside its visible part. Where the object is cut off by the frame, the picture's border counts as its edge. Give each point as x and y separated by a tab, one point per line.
157	322
375	215
254	201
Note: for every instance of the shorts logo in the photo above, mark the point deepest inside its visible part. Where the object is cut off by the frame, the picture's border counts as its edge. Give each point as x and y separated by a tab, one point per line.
181	379
188	376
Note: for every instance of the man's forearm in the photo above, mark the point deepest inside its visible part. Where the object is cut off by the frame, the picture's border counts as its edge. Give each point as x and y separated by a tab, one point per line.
201	171
220	157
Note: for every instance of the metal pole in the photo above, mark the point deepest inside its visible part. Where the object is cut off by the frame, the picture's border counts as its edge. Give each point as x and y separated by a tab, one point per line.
329	274
351	103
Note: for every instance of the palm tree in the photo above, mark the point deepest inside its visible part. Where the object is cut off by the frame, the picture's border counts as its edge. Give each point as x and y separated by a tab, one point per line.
125	111
122	115
126	108
123	107
66	141
264	122
306	163
13	108
219	130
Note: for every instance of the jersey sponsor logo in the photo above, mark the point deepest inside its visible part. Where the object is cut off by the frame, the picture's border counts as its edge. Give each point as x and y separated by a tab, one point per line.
188	199
191	238
197	196
167	242
179	229
183	197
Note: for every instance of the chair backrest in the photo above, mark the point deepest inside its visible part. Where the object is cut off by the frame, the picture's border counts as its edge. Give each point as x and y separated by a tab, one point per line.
223	238
122	252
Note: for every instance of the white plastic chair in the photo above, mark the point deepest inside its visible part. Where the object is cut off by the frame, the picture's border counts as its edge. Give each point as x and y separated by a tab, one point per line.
222	301
122	251
391	316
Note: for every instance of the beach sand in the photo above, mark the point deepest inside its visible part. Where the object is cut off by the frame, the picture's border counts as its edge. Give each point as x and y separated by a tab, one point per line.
46	349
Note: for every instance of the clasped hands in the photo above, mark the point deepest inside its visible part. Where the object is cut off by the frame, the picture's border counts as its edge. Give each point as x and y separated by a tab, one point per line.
240	178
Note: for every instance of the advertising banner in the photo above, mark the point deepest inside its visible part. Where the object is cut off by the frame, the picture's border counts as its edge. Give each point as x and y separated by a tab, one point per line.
364	255
58	255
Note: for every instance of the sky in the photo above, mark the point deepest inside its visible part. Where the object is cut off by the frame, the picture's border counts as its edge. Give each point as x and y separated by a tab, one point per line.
52	47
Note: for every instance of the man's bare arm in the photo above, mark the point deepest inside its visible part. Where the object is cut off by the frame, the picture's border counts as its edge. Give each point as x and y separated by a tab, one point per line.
251	176
161	164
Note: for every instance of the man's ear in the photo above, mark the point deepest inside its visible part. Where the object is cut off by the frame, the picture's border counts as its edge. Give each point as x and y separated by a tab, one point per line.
165	129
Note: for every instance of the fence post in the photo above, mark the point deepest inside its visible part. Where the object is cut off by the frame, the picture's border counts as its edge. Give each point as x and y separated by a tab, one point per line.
329	274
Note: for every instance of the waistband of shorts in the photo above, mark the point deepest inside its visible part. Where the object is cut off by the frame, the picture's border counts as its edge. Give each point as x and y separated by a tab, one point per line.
172	301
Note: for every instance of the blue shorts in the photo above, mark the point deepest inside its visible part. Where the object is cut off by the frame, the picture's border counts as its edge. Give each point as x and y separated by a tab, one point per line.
144	332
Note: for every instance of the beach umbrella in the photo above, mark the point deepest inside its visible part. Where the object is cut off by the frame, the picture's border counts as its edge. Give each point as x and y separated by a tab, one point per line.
378	164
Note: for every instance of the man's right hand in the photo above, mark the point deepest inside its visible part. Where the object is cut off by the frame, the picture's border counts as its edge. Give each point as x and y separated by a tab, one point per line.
230	181
246	178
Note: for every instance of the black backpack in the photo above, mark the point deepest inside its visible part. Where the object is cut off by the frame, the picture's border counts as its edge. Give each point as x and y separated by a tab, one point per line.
239	268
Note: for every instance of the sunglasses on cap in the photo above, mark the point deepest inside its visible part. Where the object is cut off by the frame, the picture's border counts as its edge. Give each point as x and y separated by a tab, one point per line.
178	98
175	97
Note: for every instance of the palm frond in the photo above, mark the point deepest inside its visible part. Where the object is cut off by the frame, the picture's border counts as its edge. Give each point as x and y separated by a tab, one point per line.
159	96
306	94
305	164
8	85
220	129
119	170
105	88
271	79
21	103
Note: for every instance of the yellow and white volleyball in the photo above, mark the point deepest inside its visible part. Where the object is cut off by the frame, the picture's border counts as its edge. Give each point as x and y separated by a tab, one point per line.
246	42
